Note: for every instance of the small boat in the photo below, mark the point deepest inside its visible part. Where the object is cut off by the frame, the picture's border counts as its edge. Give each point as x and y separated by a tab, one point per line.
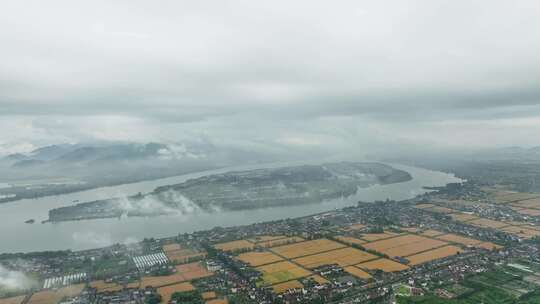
30	221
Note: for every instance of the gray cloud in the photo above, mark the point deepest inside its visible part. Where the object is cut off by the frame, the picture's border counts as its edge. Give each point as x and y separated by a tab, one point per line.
310	74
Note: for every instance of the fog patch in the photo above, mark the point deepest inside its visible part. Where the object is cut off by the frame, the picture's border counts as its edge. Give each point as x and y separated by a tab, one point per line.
165	203
15	280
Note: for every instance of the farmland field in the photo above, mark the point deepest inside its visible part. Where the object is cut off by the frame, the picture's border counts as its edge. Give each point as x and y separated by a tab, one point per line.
259	258
413	248
384	265
454	238
235	245
306	248
371	237
350	240
463	217
265	238
359	273
53	297
434	254
487	223
280	242
12	300
530	203
488	246
185	272
176	253
431	233
167	291
281	272
343	257
320	280
384	245
282	287
101	286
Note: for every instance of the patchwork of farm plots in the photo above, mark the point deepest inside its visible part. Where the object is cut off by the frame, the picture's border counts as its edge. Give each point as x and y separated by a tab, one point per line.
523	203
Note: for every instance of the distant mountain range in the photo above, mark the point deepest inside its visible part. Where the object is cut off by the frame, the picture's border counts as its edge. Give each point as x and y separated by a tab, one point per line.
73	167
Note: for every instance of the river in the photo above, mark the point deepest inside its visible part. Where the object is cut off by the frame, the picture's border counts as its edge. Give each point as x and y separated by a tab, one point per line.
16	236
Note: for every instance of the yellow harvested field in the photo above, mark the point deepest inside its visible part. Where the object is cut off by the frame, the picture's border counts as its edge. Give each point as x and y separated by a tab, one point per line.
350	240
12	300
259	258
171	247
101	286
218	301
280	242
359	273
283	287
442	210
395	242
487	223
522	231
235	245
413	248
463	217
167	291
183	255
404	245
320	280
53	297
512	196
209	295
306	248
385	265
488	246
265	238
431	233
434	254
424	206
185	272
411	229
355	227
454	238
529	212
343	257
371	237
530	203
281	272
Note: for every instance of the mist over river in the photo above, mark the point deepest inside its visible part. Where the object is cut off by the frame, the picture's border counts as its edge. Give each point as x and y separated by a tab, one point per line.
16	236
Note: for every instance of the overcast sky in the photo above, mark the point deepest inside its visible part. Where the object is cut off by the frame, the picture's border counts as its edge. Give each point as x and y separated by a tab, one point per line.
311	74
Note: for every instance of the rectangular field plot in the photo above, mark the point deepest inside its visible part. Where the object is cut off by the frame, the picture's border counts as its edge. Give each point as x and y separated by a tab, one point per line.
320	280
359	273
283	287
521	231
343	257
167	291
350	240
488	246
265	238
12	300
404	245
280	242
281	272
454	238
487	223
259	258
54	297
385	265
371	237
235	245
463	217
434	254
530	203
529	212
431	233
306	248
185	272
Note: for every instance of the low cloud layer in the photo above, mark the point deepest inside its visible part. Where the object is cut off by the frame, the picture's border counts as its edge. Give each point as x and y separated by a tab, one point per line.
316	75
14	280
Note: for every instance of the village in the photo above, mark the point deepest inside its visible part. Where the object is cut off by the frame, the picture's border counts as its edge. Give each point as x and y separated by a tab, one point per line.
447	244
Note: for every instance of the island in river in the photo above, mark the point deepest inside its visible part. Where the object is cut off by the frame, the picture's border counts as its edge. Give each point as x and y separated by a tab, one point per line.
242	190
